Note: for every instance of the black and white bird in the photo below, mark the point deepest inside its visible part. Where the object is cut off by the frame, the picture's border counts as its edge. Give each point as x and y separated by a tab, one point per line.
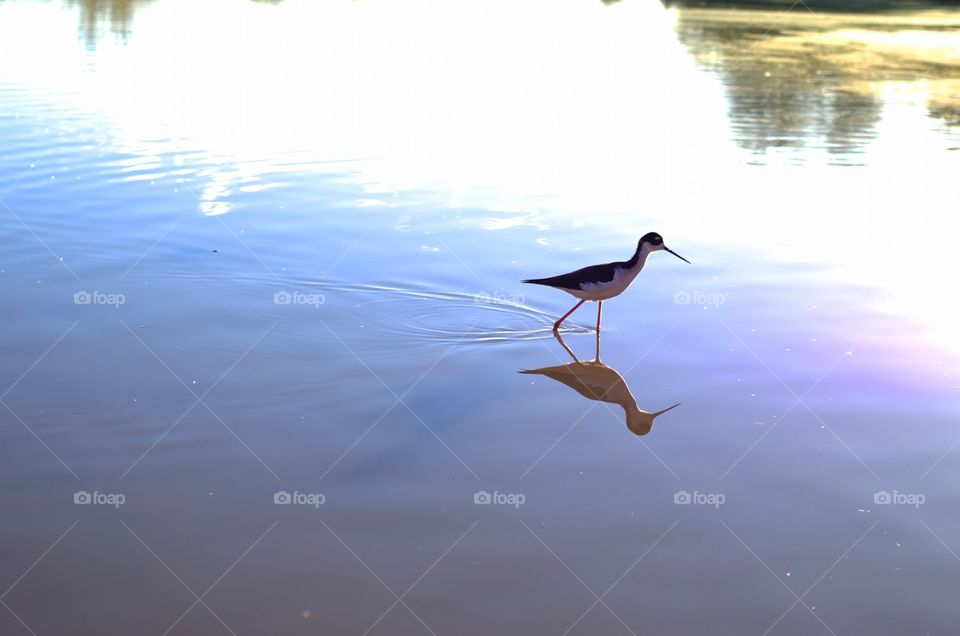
600	282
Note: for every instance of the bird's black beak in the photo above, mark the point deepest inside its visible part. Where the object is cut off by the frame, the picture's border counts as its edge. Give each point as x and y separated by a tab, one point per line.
677	255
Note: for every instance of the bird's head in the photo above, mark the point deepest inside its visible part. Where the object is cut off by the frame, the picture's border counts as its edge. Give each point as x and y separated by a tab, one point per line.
653	242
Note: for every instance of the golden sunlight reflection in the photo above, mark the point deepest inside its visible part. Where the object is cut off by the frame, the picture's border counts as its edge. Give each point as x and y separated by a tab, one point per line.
601	111
595	380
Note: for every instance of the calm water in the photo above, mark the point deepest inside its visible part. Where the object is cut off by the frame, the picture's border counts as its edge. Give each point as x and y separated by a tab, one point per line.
271	251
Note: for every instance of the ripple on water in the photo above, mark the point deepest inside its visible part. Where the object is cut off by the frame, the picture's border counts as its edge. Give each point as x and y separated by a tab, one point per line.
430	316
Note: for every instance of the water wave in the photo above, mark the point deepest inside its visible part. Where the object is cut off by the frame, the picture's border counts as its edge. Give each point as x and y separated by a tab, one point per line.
433	316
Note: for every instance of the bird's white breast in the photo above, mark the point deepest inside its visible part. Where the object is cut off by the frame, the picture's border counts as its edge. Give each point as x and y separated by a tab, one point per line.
608	289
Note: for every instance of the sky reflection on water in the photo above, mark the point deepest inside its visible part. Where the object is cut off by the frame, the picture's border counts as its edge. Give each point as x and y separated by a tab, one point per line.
612	119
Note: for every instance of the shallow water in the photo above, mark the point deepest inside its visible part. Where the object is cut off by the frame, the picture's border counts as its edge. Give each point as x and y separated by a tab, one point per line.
260	248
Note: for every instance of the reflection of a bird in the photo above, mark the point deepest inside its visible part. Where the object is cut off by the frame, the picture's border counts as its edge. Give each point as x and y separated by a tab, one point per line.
596	381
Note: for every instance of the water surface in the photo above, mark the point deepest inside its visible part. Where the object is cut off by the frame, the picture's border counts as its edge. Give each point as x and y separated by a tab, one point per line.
264	252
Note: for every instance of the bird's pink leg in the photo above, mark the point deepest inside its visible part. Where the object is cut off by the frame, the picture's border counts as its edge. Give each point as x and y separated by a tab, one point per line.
599	309
556	325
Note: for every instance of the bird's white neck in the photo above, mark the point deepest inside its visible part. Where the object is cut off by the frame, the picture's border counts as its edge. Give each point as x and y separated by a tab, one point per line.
635	264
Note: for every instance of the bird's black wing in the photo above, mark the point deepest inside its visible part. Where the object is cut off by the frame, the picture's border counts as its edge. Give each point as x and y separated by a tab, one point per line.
592	274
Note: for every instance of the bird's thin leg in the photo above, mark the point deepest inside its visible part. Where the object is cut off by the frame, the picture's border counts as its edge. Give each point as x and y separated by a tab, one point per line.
556	325
599	309
556	334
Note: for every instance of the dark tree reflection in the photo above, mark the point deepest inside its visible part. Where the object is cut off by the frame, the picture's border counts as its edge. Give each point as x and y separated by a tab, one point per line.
101	17
98	17
802	80
867	6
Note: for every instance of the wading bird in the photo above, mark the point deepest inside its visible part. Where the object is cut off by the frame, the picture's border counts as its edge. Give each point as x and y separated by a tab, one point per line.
600	282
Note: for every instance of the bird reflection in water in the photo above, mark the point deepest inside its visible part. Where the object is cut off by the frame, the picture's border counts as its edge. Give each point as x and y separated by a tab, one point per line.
597	381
